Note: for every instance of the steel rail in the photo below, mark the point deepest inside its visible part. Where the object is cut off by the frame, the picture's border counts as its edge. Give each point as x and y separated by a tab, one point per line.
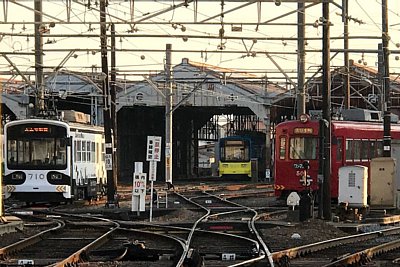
179	240
20	245
81	254
291	253
365	255
246	262
192	230
253	229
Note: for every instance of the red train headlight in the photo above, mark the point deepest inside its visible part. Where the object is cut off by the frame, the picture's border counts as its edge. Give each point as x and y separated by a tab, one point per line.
304	118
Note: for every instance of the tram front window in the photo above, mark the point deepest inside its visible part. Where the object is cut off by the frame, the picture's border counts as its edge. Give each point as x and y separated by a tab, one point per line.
235	151
36	153
303	148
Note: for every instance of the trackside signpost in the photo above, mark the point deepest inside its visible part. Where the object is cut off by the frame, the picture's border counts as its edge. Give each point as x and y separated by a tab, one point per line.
153	155
139	189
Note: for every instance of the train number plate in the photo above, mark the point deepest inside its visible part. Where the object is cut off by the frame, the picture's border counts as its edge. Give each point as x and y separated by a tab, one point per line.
298	166
228	256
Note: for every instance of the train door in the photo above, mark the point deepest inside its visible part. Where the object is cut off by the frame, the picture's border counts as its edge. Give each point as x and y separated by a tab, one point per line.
396	154
338	160
71	148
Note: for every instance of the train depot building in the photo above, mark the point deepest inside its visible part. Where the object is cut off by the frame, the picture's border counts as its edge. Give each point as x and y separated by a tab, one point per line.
208	103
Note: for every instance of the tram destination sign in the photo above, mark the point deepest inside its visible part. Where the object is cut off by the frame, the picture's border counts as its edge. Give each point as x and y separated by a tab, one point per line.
303	130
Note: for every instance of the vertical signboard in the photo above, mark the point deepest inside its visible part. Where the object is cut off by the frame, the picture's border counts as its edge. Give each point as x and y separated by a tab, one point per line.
108	158
152	170
153	148
153	155
139	192
108	161
139	184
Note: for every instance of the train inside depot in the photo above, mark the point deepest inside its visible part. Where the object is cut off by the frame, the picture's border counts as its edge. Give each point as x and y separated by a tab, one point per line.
242	155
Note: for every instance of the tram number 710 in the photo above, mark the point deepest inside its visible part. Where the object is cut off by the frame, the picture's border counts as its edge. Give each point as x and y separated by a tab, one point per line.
36	176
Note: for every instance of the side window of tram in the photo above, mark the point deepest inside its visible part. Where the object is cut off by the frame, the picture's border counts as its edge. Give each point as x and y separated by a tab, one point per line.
379	148
362	150
83	151
282	147
353	150
349	150
357	150
375	149
339	149
365	150
78	151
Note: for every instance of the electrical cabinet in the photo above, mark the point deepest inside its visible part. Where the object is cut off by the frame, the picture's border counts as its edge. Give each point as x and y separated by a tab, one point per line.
383	189
353	185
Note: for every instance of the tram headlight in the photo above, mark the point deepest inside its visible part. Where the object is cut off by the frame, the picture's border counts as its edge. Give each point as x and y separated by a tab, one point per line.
17	176
304	118
56	176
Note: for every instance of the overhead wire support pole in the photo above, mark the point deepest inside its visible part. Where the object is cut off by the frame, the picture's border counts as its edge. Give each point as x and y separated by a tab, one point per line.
386	82
346	84
326	113
39	30
168	116
301	92
107	106
2	160
113	115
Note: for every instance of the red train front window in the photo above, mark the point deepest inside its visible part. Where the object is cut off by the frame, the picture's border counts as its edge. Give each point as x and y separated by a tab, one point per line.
303	148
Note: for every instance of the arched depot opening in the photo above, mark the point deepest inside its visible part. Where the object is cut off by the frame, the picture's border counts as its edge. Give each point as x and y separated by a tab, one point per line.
206	106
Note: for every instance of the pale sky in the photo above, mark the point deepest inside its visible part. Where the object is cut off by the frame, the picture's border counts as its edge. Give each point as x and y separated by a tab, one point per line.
367	11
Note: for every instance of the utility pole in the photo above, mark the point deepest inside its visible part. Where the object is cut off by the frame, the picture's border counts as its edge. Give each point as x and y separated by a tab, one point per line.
168	116
113	105
301	92
39	28
326	112
386	82
381	104
346	82
107	108
1	167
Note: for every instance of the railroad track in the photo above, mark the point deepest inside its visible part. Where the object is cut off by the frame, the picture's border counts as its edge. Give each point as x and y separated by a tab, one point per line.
345	251
67	242
254	250
32	225
99	241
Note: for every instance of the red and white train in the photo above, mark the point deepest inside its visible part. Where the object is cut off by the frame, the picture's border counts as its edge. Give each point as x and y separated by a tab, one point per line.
297	141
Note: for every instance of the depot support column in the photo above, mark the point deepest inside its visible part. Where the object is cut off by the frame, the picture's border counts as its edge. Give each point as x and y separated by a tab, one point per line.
168	116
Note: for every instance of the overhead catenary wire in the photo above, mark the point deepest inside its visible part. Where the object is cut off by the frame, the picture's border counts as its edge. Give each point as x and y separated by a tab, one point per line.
230	45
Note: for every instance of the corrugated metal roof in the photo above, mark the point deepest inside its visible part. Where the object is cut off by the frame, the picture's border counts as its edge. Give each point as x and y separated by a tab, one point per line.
71	82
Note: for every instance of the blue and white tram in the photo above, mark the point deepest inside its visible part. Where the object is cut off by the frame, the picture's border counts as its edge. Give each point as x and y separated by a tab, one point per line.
53	161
